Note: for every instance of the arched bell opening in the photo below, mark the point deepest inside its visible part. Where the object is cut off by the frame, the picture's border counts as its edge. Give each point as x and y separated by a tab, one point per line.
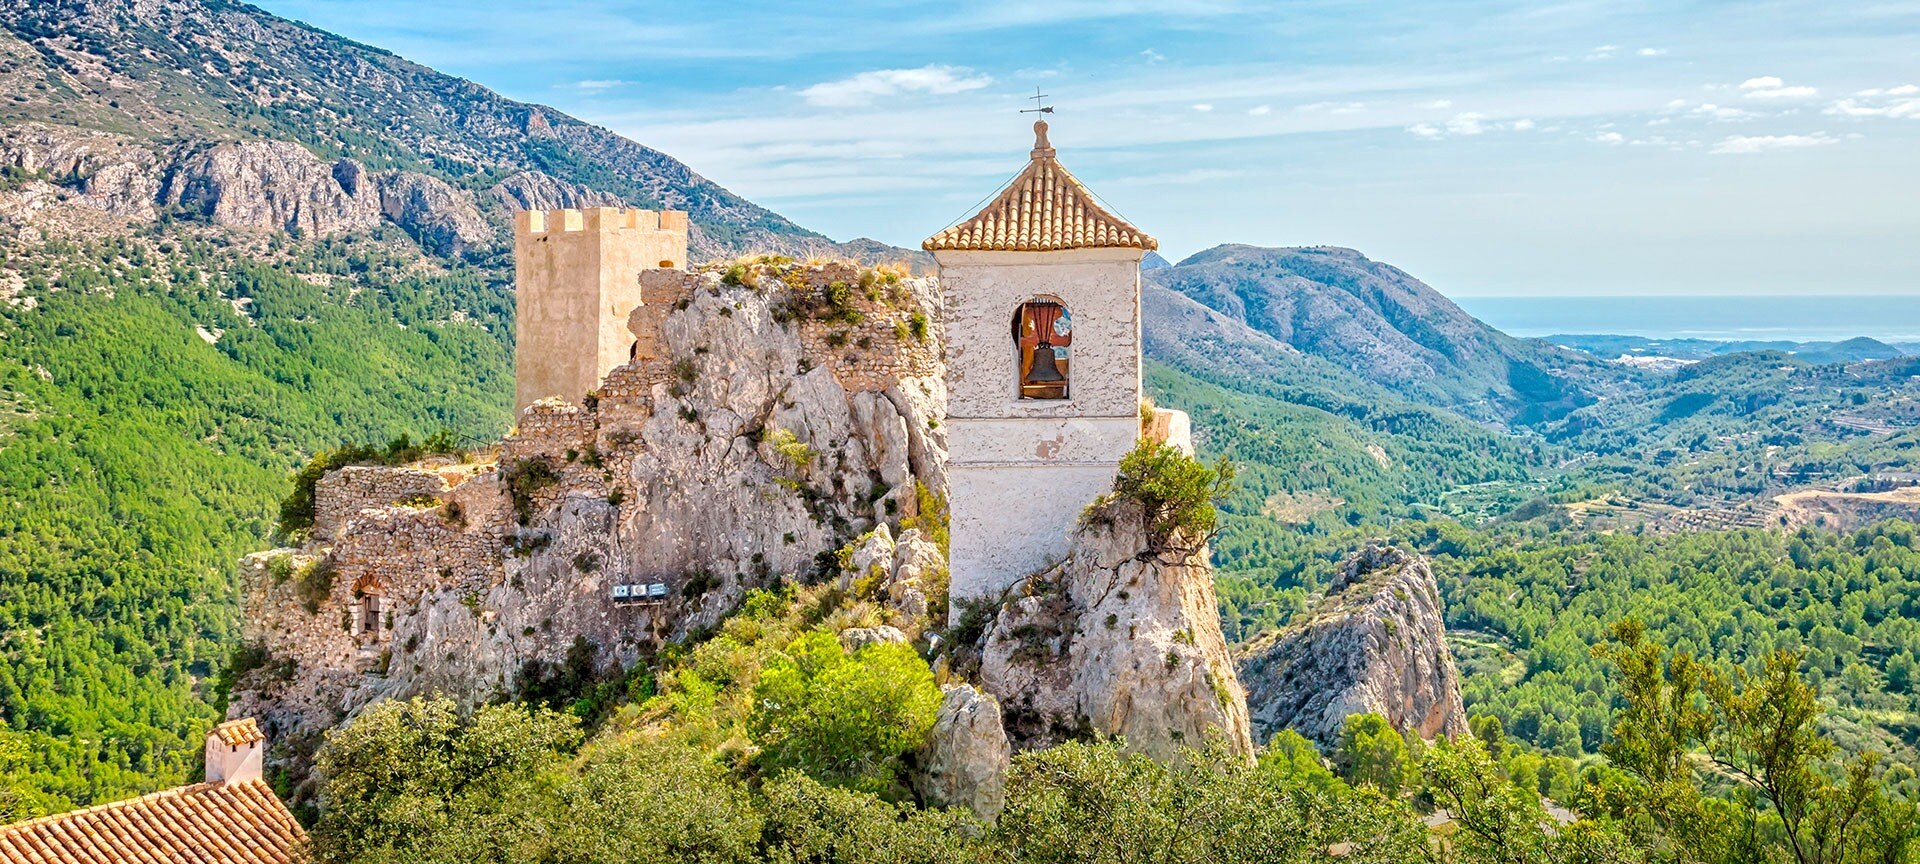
1042	334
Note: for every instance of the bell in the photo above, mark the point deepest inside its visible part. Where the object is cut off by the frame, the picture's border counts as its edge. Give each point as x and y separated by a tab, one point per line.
1044	369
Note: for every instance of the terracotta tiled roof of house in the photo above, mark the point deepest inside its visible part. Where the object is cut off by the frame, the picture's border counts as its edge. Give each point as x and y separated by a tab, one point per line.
1045	209
234	733
206	823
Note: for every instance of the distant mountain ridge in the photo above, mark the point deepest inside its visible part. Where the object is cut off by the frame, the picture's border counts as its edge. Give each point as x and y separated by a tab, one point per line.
192	107
1381	324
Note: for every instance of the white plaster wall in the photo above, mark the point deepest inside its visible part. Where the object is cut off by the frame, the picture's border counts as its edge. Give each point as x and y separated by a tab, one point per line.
1043	440
1010	521
1101	290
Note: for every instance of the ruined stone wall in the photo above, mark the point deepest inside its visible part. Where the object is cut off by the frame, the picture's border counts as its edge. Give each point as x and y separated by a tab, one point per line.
342	494
751	434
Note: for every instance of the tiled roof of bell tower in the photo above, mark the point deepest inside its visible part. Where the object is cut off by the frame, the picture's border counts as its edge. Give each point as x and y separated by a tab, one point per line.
1045	209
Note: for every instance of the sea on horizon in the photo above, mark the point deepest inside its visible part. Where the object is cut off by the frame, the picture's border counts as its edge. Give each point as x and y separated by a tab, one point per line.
1888	318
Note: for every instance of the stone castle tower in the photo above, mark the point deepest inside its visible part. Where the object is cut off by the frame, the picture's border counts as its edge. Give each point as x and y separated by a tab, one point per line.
577	278
1042	292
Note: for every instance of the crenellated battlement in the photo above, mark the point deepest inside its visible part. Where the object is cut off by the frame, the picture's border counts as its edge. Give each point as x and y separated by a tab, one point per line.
537	222
577	275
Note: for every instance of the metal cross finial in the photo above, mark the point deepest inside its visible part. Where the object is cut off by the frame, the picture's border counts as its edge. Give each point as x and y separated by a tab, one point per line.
1037	107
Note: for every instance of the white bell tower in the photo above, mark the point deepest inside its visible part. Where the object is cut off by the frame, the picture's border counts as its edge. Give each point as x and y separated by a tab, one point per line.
1042	291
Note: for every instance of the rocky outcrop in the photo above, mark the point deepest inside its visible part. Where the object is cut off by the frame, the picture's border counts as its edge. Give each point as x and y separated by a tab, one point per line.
1376	643
439	217
269	185
966	759
536	190
110	172
1117	640
742	447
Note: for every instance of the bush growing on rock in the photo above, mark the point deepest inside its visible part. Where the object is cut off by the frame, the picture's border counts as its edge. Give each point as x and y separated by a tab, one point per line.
1178	491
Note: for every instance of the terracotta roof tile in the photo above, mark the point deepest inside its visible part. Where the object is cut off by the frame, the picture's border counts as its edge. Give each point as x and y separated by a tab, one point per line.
207	823
234	733
1044	209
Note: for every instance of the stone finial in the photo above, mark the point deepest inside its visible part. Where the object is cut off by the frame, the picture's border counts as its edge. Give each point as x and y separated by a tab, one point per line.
1041	149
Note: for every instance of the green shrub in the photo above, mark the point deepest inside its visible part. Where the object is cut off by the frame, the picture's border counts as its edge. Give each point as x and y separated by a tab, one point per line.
524	478
313	583
1177	491
790	448
843	718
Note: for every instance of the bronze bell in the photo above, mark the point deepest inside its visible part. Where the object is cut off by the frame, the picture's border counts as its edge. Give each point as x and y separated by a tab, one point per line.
1045	370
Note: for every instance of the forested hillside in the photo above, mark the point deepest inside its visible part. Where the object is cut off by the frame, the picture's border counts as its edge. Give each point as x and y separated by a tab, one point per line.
158	388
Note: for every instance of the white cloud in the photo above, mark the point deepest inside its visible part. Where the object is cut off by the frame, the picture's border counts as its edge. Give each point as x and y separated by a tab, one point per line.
864	88
1469	123
1721	113
1896	108
1203	107
1904	90
596	86
1153	56
1651	52
1335	107
1610	138
1522	125
1741	145
1772	87
1440	104
1602	52
1259	110
1424	130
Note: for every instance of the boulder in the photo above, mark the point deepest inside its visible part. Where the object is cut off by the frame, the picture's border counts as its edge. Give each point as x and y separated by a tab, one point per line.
856	638
966	759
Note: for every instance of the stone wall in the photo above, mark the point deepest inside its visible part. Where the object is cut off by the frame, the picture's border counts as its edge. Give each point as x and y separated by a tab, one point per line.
750	434
342	494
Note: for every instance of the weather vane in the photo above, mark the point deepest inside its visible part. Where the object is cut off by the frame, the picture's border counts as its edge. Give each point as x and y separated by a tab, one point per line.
1037	107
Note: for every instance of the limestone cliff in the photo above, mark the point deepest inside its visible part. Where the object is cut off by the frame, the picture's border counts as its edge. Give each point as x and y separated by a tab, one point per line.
770	417
1118	640
1376	642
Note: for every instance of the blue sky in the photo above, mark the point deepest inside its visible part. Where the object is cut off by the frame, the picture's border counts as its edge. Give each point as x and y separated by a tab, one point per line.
1489	148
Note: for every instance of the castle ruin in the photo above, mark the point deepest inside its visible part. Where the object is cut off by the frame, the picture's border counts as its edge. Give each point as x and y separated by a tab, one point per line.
576	276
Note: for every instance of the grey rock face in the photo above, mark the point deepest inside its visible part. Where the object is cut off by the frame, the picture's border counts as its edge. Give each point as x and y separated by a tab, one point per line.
1117	641
439	217
113	173
1375	643
535	190
966	760
270	185
672	478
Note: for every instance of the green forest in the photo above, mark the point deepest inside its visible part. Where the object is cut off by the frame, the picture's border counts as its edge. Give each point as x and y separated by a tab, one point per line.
139	461
772	742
